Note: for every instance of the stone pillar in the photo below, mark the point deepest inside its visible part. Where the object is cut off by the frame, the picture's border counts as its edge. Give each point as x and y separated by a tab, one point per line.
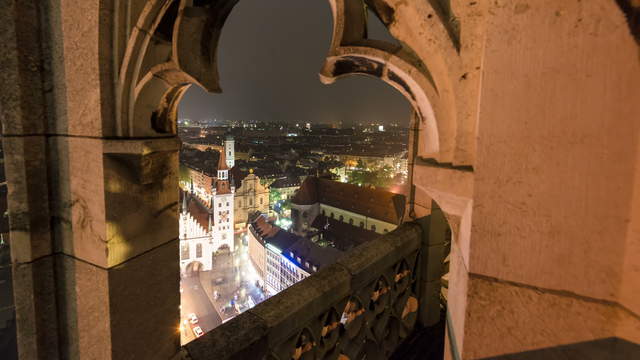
93	219
434	229
554	181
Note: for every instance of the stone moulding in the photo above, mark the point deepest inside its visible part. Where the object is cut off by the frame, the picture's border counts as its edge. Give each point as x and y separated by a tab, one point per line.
172	44
362	306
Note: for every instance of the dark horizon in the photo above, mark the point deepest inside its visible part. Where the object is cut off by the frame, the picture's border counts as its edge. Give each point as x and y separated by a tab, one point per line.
263	81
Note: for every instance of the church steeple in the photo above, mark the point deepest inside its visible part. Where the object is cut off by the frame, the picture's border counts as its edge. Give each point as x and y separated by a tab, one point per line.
229	149
222	182
184	202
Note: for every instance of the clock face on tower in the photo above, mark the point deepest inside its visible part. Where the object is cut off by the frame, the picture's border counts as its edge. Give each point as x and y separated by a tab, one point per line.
224	216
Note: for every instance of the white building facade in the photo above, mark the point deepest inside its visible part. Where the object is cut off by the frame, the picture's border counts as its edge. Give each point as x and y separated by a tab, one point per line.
281	272
196	245
206	222
222	203
250	196
230	152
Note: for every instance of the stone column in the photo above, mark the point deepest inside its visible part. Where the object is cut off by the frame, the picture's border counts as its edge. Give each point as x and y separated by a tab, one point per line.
431	265
93	218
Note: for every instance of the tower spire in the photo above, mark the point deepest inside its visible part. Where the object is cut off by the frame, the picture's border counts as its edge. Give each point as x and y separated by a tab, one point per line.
222	163
222	181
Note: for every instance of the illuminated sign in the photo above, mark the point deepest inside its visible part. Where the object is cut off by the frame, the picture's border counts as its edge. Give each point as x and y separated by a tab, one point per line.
273	248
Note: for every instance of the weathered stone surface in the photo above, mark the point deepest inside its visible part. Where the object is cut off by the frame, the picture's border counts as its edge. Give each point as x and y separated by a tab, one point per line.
245	337
298	304
23	108
503	318
374	256
76	66
36	313
28	197
83	309
141	200
79	210
144	300
544	192
544	91
429	311
456	293
630	286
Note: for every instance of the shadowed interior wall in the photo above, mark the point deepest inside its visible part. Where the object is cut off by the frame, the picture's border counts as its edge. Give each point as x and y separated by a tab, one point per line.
557	148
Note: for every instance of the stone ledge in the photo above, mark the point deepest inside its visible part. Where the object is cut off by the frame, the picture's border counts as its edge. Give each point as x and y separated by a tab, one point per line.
142	146
244	337
503	318
301	302
273	325
365	262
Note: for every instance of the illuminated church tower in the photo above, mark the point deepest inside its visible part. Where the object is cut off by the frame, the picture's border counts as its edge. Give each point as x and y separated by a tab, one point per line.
229	149
222	199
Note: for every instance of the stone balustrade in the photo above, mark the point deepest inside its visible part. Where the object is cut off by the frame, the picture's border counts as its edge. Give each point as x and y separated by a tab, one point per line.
363	306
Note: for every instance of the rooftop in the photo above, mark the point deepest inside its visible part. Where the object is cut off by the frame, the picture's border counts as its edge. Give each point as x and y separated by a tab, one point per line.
376	203
343	235
286	182
196	209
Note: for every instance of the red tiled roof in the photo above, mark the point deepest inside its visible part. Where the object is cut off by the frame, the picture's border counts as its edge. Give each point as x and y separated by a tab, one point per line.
199	212
222	162
307	193
267	230
375	203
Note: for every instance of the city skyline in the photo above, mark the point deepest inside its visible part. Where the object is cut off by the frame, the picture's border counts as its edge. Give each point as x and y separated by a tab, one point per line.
276	79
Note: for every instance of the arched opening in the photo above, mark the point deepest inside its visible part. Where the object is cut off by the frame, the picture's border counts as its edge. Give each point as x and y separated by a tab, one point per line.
256	89
193	269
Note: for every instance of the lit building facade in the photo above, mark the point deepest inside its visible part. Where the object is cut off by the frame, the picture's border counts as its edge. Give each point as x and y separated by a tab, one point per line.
206	218
283	258
196	245
223	203
229	150
250	196
285	187
368	208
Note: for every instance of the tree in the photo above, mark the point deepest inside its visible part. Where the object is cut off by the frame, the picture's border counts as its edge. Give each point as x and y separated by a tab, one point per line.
379	178
274	196
183	173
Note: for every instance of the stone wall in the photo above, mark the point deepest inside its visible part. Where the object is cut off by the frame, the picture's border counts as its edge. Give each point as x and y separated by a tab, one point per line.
525	133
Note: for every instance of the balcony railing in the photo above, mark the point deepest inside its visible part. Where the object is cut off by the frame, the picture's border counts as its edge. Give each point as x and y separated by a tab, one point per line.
363	306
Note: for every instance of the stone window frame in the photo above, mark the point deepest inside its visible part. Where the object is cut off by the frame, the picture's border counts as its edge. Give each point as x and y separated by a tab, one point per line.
130	125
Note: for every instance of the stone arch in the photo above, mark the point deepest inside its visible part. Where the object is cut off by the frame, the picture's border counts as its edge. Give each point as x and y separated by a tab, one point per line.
174	44
353	53
193	268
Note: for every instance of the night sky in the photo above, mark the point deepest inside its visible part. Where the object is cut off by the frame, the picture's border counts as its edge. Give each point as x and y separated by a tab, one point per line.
270	54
